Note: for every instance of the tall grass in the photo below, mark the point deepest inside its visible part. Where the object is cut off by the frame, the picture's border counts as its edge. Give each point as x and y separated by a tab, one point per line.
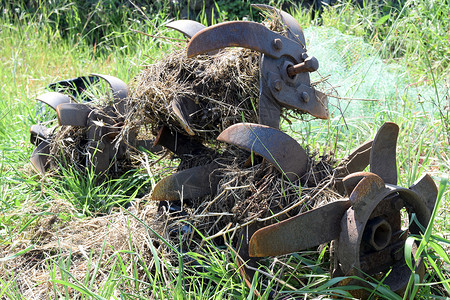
37	49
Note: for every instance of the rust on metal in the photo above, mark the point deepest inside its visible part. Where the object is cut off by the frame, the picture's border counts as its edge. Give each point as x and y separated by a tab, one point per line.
187	27
285	66
427	189
53	99
39	157
367	228
178	143
245	34
292	27
187	184
290	159
73	114
383	155
183	109
310	64
304	231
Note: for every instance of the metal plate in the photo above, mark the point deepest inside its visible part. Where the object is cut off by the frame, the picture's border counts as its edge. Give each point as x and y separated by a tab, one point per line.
40	156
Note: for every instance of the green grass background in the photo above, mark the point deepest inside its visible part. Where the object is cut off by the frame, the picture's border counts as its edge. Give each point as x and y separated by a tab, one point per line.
396	52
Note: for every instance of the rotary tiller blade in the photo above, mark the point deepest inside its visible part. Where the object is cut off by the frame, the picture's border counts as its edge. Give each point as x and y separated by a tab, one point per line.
293	29
53	99
187	184
245	34
383	153
39	157
310	229
100	127
187	27
274	145
183	109
367	228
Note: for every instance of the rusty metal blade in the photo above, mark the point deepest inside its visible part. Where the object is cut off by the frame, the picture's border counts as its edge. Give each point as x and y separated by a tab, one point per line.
53	99
187	184
294	30
38	133
304	231
274	145
244	34
119	91
74	86
74	114
187	27
118	87
178	143
359	159
40	156
383	153
427	189
183	108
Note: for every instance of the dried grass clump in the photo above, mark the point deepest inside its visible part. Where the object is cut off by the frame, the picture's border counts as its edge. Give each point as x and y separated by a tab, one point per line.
79	246
225	87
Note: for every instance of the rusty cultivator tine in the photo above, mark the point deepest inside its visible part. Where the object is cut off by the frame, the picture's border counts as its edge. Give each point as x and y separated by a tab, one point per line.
366	228
275	146
295	233
53	99
285	65
383	157
101	127
187	184
183	109
187	27
293	29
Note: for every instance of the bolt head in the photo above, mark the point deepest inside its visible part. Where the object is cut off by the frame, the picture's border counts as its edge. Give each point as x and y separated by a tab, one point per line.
278	85
305	97
277	44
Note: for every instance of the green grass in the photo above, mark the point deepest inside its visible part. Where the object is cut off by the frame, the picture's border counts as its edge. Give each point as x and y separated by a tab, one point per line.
35	52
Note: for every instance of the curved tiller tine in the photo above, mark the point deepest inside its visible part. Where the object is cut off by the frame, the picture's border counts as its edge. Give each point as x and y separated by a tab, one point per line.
53	99
183	108
383	153
250	35
39	157
74	114
294	30
187	27
187	184
275	146
39	133
301	232
119	90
